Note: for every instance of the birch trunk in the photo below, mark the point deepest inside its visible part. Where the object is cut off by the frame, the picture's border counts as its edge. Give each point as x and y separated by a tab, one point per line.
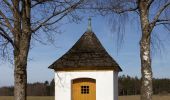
146	70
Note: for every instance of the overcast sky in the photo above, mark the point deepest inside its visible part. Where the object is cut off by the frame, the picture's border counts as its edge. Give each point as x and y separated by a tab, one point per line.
41	56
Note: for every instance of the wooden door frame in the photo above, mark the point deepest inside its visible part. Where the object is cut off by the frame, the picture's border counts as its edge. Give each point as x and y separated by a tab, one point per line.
84	79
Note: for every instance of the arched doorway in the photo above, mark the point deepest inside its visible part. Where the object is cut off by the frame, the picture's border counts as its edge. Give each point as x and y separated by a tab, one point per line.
83	89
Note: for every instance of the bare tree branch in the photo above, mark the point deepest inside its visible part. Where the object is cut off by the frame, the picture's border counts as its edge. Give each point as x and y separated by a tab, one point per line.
3	24
65	11
150	2
56	20
6	21
162	23
4	47
125	10
10	19
37	2
116	10
159	13
162	20
9	5
6	36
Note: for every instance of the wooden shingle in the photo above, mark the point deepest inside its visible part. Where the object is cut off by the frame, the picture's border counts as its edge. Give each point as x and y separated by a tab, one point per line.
87	54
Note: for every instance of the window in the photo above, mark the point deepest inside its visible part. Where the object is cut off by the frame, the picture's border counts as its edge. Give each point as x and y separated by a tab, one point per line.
84	89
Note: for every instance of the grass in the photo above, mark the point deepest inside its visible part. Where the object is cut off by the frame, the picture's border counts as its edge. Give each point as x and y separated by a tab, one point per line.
137	97
134	97
28	98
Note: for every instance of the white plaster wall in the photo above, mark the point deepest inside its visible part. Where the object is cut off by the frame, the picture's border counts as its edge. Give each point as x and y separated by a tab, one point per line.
106	88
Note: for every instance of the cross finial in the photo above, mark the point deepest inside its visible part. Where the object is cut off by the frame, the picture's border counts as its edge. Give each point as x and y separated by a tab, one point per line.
89	28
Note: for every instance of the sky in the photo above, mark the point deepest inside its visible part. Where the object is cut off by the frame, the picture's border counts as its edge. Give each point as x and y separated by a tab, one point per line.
128	56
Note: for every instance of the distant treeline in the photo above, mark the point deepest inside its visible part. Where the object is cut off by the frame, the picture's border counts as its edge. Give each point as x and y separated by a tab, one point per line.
131	86
127	86
34	89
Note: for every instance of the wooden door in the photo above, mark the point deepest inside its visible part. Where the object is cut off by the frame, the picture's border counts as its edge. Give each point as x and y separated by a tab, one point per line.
83	89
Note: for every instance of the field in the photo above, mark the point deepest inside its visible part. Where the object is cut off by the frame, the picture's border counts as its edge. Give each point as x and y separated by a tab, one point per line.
156	97
29	98
120	98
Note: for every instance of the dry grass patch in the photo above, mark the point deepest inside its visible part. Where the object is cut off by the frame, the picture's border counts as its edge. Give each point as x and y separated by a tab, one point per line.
137	97
133	97
29	98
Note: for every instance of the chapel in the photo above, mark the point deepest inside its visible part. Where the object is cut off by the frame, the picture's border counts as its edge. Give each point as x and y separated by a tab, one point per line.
86	71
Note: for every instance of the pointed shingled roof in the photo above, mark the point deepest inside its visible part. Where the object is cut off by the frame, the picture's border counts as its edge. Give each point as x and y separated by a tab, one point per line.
86	54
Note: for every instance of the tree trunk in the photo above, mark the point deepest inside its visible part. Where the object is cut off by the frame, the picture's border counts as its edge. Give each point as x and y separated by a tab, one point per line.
20	77
22	40
146	70
20	60
20	72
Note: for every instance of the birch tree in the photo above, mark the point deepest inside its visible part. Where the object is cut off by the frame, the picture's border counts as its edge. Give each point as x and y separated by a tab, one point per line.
152	14
20	21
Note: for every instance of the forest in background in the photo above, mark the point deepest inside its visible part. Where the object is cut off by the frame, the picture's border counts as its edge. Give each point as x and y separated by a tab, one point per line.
33	89
127	86
131	86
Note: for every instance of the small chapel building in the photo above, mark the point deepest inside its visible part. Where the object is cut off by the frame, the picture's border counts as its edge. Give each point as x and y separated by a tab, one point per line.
86	71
